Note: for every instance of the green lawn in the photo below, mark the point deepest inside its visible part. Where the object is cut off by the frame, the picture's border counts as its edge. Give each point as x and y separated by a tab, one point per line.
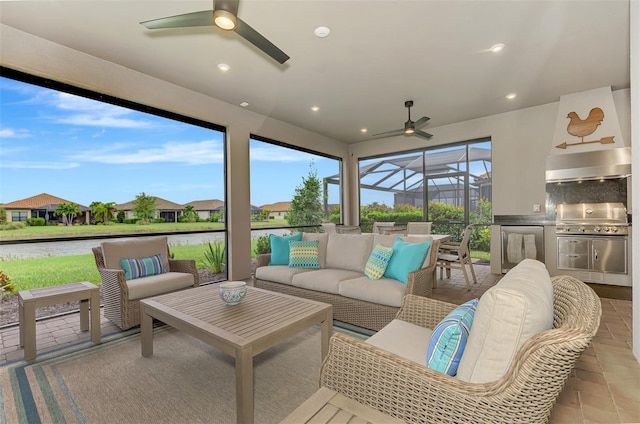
60	231
52	271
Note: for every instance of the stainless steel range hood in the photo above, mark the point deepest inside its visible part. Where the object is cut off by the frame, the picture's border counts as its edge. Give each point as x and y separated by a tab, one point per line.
601	164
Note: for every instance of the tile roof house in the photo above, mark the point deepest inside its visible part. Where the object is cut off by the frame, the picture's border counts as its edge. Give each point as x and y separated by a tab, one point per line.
165	209
42	205
206	208
277	210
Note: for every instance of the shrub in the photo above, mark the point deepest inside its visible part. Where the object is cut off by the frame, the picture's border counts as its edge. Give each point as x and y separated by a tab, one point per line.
36	222
214	217
214	256
3	216
6	286
130	220
159	220
263	245
120	216
12	226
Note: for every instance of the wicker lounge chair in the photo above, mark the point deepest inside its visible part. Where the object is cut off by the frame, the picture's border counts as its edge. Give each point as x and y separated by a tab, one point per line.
119	308
416	394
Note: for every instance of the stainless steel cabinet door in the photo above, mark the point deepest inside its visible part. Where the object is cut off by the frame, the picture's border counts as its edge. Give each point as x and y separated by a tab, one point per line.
573	253
609	254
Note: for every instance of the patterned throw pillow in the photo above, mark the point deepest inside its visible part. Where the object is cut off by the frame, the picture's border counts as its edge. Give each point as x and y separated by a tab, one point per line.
378	261
449	338
138	268
304	254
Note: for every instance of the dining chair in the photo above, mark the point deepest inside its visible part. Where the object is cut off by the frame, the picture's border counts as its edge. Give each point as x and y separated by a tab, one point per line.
414	228
454	255
378	227
329	227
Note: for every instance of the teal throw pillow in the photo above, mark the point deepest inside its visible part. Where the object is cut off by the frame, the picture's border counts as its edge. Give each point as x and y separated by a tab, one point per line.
138	268
406	258
378	261
449	338
280	248
304	254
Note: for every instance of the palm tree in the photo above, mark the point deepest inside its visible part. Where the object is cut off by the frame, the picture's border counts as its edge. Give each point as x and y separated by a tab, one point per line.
68	211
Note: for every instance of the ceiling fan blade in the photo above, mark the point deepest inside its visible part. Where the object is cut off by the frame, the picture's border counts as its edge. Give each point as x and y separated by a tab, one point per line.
389	133
421	121
203	18
423	134
254	37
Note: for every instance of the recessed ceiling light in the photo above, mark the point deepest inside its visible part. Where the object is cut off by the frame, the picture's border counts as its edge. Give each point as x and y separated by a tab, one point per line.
322	32
496	48
315	108
244	104
224	67
363	130
511	96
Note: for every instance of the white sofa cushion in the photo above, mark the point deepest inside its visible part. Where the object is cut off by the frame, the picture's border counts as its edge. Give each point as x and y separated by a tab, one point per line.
279	273
404	339
153	285
349	251
323	280
323	238
113	251
385	291
519	306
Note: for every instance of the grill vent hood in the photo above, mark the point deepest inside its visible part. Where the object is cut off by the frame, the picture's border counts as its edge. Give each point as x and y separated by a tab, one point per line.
594	165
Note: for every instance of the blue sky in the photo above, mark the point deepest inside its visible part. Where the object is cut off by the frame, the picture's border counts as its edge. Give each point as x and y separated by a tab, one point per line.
85	151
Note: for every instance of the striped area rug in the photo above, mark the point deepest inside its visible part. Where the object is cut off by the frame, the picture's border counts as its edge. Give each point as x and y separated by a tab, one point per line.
185	381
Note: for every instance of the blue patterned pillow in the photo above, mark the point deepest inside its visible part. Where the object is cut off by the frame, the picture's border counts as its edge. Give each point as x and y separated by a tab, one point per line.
304	254
138	268
449	338
280	248
378	261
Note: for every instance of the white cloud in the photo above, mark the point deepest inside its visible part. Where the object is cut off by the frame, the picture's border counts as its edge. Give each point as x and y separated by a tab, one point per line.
94	113
11	133
195	153
38	165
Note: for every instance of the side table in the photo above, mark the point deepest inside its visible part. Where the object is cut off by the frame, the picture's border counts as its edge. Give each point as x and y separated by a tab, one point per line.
28	300
327	406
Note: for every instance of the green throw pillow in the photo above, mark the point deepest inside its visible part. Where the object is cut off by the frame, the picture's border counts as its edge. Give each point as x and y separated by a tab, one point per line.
378	261
406	258
304	254
280	248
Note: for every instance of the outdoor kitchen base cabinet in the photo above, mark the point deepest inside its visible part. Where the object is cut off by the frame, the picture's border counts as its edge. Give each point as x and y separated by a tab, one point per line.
588	253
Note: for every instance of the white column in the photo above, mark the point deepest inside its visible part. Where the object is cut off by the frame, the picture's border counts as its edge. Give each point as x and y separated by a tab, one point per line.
635	167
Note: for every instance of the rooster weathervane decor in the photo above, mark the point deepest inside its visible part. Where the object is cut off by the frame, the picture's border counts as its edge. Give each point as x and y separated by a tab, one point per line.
584	127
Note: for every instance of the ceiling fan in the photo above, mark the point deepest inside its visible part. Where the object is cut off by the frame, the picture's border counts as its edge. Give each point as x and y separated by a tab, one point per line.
410	127
225	16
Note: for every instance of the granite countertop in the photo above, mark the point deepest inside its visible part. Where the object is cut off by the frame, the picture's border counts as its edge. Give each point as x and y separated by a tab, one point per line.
537	219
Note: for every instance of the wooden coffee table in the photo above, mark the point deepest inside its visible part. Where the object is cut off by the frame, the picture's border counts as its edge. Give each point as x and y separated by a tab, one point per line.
262	320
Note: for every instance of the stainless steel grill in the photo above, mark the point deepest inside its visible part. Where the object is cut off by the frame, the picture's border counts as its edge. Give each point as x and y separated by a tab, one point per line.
608	219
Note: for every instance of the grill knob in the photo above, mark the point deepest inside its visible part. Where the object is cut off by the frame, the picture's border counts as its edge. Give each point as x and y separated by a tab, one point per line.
614	229
596	229
581	229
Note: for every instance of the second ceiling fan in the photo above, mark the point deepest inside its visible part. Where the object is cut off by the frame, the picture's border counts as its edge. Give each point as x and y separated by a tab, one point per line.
225	16
410	127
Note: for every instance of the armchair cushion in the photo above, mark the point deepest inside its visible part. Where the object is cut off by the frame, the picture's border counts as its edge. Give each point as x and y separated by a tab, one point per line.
403	338
154	285
518	307
449	338
113	251
144	267
407	257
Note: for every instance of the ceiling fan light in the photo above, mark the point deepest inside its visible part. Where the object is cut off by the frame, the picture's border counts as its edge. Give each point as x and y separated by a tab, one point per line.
409	130
224	19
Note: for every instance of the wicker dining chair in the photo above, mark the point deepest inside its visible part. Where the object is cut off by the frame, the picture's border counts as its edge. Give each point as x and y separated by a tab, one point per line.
416	394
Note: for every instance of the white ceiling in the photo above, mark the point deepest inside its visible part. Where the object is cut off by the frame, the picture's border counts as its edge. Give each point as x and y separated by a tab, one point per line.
379	54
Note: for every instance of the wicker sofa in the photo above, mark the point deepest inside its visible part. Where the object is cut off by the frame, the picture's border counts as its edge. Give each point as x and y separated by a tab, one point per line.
122	297
340	280
525	393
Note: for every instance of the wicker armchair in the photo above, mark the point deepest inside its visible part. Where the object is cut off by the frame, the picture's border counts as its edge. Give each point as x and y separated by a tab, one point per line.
118	308
416	394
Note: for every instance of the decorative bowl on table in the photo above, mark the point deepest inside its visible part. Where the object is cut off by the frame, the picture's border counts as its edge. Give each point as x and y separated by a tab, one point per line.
232	292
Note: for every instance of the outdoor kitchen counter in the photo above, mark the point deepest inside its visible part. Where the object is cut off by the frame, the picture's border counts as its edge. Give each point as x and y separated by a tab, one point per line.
537	219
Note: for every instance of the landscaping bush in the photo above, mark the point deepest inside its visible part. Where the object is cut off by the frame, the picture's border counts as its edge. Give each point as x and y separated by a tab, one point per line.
214	217
3	216
130	220
12	226
7	288
263	245
36	222
214	256
159	220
